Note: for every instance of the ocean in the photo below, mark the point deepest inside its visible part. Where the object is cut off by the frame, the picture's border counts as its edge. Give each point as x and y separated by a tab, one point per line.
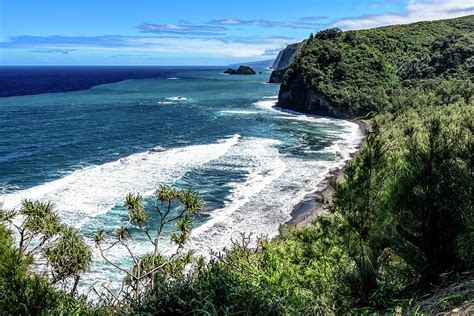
109	131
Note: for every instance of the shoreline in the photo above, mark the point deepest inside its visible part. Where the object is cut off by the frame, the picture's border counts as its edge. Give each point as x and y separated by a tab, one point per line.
312	206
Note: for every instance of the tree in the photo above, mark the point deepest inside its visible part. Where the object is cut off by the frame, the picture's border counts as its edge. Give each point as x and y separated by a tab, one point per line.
432	196
172	206
42	235
69	256
357	200
25	290
329	34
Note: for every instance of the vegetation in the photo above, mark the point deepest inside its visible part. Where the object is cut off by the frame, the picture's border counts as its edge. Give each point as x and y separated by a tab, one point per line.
66	257
36	271
360	71
401	219
172	206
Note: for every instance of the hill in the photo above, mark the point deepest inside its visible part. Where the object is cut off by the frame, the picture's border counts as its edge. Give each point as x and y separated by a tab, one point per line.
356	72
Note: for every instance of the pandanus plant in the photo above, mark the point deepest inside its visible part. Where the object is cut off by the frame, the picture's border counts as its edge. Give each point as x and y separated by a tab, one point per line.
41	235
171	205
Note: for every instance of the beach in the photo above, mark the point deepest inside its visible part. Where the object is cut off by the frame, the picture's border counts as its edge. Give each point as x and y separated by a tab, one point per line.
315	204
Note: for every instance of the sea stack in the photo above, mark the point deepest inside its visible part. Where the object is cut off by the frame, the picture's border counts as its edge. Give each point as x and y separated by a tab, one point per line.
243	70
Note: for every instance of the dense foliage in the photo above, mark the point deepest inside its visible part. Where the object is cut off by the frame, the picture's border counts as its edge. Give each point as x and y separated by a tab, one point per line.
23	292
359	71
401	219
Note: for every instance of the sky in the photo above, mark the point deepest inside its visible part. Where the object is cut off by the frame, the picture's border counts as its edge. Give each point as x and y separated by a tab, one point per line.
188	32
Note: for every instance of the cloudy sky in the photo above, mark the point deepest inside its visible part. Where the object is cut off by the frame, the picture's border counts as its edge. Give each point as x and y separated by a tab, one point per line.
187	32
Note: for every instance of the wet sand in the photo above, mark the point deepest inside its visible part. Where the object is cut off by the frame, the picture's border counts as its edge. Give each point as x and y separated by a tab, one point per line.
314	204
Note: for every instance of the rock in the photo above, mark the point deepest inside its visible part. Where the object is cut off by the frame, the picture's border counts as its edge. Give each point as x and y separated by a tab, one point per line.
157	149
243	70
277	76
230	71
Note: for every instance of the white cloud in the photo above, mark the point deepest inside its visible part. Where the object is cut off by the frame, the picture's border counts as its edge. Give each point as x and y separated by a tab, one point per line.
304	23
183	29
203	47
416	10
167	45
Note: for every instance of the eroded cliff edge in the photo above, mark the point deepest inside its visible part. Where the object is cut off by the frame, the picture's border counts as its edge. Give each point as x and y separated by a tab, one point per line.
296	95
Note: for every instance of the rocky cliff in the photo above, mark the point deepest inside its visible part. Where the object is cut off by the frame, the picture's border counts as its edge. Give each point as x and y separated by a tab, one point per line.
284	57
359	73
281	63
296	95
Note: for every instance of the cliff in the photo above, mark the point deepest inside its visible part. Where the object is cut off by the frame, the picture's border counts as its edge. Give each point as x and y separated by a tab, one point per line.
359	73
296	95
283	59
282	62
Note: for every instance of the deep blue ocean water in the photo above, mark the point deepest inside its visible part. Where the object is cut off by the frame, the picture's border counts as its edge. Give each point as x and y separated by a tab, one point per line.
85	150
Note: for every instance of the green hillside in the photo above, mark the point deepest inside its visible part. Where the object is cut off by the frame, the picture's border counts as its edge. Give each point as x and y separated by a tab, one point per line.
358	71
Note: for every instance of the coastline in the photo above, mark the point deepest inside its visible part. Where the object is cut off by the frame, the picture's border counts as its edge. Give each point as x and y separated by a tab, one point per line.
312	206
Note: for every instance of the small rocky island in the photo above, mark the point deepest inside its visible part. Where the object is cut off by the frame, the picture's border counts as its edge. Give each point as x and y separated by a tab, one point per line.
243	70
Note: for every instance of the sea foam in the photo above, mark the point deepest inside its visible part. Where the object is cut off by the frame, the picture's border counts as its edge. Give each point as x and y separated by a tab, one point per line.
95	190
177	98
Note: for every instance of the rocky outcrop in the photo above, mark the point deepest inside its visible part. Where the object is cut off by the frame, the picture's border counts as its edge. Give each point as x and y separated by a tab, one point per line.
296	95
243	70
277	76
281	63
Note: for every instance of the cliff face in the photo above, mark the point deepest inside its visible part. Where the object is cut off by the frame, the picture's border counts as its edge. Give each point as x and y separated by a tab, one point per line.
296	95
281	63
284	56
277	76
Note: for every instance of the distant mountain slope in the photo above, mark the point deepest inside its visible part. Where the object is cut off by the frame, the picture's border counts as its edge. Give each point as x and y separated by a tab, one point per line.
282	62
283	59
355	72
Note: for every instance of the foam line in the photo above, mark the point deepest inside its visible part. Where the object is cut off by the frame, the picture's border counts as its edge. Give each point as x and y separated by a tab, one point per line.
94	190
243	112
177	98
269	167
348	141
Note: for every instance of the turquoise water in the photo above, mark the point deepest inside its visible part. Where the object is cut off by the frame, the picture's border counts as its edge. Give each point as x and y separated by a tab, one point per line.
85	150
